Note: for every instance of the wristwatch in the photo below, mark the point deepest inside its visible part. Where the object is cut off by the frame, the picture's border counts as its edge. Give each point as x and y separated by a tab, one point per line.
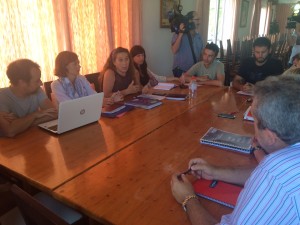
187	198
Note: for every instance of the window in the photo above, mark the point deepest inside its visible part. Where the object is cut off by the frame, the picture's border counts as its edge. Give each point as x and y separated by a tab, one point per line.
28	31
221	21
39	30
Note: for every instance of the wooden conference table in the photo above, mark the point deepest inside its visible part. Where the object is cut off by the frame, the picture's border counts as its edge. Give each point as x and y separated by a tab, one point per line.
133	186
47	161
119	172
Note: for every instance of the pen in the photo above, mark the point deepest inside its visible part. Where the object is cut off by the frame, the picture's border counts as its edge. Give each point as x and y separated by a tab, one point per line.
185	172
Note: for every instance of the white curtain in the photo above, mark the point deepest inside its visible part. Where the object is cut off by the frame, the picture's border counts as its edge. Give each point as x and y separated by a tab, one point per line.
202	7
265	18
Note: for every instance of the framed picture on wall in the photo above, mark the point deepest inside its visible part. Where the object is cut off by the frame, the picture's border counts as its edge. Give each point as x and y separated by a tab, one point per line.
166	7
244	13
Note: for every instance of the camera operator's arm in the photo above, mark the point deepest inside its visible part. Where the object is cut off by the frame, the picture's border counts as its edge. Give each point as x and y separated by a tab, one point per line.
176	44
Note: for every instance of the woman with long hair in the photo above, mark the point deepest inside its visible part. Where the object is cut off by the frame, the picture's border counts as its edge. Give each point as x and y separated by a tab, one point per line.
119	74
147	77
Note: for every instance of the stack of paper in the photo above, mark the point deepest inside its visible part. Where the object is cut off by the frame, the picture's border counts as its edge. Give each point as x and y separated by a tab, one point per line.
164	86
144	103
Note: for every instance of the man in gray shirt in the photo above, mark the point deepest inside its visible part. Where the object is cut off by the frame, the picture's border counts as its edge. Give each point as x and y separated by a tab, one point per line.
24	103
209	71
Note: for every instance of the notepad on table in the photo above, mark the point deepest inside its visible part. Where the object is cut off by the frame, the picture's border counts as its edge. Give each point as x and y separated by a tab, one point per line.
179	97
117	113
248	114
245	93
144	103
157	97
227	140
222	193
164	86
113	108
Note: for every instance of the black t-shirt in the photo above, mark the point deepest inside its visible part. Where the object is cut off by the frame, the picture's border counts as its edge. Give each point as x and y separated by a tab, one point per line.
253	73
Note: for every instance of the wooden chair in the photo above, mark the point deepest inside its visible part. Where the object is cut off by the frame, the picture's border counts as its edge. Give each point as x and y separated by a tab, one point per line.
47	88
93	79
221	50
43	209
229	63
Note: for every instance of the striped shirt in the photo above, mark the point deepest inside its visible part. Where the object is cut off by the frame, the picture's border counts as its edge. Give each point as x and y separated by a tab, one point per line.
272	193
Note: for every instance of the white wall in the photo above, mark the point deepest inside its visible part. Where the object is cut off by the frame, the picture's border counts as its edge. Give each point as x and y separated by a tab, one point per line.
156	40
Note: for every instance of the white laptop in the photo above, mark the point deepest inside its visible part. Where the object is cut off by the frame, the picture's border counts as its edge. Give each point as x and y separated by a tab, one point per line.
76	113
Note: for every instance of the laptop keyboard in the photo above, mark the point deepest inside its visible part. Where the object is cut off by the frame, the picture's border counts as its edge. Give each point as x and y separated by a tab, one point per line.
54	128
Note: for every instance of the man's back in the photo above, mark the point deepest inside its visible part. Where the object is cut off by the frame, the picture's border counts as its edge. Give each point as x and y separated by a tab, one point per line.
272	193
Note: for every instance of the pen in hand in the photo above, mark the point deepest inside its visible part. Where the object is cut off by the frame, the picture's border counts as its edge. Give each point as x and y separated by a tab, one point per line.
186	172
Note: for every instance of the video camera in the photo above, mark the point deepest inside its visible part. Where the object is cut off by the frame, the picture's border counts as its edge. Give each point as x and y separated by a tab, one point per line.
176	18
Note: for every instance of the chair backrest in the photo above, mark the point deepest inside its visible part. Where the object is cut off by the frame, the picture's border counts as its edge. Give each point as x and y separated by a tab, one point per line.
47	88
93	79
221	50
34	212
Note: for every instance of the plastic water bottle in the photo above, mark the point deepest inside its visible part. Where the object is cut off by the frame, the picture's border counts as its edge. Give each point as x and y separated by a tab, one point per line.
193	88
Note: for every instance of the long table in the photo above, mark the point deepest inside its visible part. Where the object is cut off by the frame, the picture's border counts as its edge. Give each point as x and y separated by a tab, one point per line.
133	186
47	161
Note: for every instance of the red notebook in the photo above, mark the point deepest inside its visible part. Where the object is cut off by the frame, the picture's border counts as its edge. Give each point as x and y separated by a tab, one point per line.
222	193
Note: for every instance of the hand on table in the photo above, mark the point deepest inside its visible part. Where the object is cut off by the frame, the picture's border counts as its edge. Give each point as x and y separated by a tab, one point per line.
146	89
133	88
247	87
201	169
182	79
202	78
181	188
51	113
8	116
117	97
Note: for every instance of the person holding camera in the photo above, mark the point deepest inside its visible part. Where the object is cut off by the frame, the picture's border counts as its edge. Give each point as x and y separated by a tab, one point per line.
187	44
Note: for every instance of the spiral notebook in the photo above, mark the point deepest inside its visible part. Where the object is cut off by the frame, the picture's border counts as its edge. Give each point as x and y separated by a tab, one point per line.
144	103
227	140
222	193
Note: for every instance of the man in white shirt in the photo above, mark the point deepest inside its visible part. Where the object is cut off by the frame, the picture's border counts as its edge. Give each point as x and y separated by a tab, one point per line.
271	193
